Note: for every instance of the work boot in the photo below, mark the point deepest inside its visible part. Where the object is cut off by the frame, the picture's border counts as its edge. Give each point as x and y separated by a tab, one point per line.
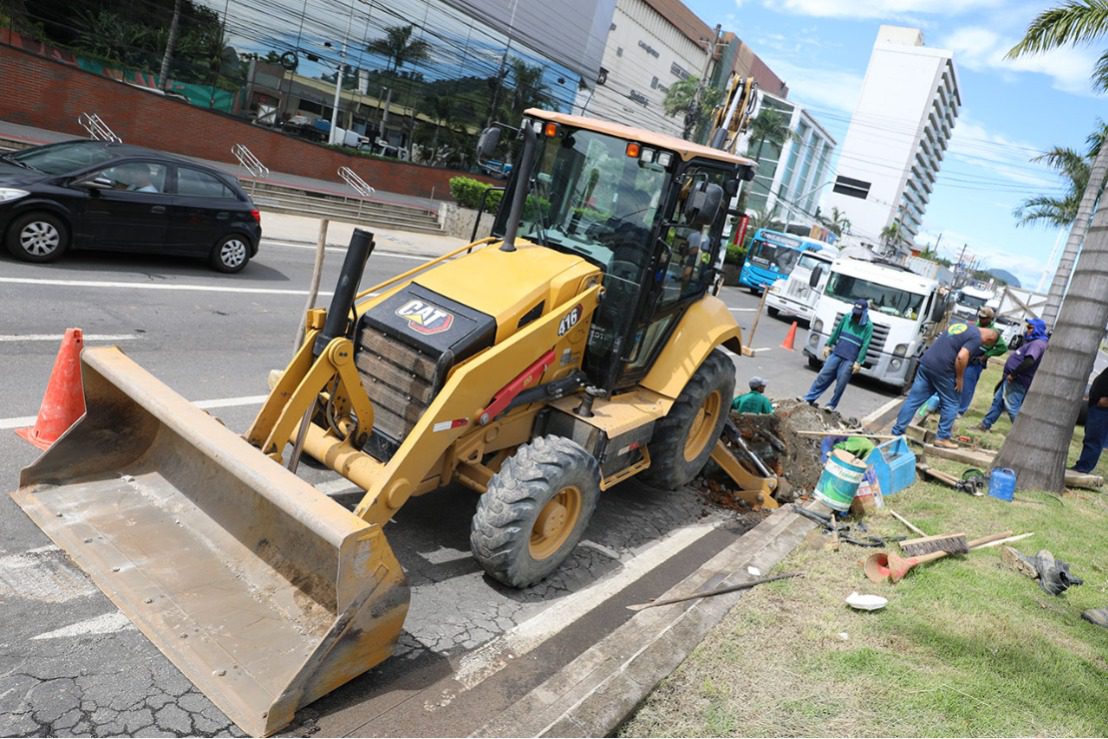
945	444
1096	616
1018	562
981	427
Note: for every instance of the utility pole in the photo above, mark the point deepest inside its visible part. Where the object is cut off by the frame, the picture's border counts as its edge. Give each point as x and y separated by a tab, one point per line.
334	137
692	117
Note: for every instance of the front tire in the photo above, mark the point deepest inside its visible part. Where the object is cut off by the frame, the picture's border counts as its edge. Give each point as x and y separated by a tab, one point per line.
684	439
38	237
535	510
773	312
230	254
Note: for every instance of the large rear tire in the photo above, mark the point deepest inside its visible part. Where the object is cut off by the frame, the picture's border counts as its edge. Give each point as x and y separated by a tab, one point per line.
535	510
683	440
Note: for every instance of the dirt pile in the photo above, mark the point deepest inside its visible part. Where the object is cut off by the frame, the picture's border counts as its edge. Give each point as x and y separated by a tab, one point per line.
776	441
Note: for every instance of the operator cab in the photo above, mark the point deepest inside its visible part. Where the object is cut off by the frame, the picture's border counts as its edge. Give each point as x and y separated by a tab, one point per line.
646	208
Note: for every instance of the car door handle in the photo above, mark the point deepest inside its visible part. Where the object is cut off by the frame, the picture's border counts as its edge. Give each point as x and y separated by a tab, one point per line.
157	209
222	216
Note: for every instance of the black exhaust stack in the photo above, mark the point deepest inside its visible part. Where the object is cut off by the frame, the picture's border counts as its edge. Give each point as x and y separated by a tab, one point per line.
522	184
338	322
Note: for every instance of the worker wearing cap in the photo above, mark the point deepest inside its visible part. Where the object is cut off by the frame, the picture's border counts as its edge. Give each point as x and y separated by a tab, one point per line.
976	366
755	401
843	354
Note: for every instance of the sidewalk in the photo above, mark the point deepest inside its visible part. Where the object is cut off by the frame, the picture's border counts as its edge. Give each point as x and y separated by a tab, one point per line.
305	230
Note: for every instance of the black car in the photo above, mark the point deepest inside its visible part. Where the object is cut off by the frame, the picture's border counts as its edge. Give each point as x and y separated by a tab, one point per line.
101	195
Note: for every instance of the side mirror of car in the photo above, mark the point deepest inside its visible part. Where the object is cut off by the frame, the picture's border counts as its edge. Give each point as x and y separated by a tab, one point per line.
96	183
703	204
814	278
938	308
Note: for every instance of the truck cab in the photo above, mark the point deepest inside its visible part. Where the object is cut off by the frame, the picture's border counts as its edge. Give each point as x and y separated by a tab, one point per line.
970	299
905	309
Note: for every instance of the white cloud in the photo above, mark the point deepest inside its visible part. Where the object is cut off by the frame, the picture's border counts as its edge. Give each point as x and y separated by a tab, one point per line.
878	9
983	49
1027	268
821	87
974	145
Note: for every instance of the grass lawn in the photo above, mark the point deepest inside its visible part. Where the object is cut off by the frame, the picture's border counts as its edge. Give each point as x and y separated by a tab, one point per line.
966	646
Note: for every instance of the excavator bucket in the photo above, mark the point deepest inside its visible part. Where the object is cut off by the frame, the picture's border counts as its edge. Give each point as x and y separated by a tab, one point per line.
263	591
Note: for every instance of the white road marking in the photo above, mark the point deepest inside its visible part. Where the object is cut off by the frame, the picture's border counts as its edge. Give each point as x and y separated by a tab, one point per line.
58	337
487	660
105	623
742	310
183	287
337	487
21	421
342	250
43	574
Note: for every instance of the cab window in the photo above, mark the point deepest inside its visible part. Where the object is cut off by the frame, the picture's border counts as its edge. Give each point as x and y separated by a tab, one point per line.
145	177
197	184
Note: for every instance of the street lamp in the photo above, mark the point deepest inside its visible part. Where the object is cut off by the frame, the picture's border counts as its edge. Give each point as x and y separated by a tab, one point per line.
798	199
339	69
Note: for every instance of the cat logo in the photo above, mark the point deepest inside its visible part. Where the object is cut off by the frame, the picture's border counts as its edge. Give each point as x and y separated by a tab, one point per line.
425	318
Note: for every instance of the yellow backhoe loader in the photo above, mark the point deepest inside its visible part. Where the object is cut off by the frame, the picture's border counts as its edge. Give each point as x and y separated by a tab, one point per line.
575	348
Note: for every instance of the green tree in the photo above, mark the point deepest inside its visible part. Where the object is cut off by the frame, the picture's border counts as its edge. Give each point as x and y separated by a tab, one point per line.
837	222
682	98
398	48
1057	211
770	126
1037	446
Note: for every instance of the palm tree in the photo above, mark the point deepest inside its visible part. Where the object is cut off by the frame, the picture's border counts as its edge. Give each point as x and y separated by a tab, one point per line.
171	42
890	235
681	97
838	223
397	47
1058	211
769	127
528	89
1037	446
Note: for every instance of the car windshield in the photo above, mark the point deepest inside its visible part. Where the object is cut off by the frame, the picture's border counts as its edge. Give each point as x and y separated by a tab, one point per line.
810	261
971	301
590	197
64	158
780	258
882	298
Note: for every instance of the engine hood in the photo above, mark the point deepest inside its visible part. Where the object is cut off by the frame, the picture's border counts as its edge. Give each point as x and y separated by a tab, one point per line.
510	286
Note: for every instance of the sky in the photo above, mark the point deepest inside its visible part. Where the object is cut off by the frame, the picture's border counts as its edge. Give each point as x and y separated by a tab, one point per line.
1011	111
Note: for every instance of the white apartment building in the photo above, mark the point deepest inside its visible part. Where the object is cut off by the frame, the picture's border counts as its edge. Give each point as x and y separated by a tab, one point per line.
790	179
651	44
898	134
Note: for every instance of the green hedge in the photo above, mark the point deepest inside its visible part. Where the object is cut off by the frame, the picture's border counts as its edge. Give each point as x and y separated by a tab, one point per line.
735	254
467	193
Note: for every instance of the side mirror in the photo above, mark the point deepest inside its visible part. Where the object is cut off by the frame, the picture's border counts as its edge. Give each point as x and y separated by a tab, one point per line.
747	173
938	308
703	204
814	278
95	183
487	142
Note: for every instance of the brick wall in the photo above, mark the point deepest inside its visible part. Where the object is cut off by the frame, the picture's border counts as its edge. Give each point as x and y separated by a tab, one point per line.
35	91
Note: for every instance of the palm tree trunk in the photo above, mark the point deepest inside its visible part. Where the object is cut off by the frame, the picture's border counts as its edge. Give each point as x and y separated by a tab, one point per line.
1077	236
1039	441
170	42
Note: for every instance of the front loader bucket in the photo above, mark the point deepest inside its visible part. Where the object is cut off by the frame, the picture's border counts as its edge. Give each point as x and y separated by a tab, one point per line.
263	591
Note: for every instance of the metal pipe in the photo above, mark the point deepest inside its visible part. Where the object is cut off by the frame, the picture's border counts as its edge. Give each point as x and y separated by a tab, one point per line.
519	195
361	246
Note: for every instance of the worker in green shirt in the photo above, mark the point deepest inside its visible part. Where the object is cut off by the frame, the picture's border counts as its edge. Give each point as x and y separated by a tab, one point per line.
843	354
755	401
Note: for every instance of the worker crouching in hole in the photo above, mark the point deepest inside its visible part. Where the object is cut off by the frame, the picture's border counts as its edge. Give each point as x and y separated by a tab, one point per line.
754	401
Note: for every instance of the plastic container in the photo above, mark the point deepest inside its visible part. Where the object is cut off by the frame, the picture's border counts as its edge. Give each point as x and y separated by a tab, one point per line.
839	480
895	465
1002	483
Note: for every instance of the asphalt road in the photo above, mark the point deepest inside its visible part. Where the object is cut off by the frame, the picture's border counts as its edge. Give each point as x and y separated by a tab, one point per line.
70	663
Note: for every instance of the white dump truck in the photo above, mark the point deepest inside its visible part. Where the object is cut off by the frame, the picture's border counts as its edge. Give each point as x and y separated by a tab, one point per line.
971	298
905	309
795	295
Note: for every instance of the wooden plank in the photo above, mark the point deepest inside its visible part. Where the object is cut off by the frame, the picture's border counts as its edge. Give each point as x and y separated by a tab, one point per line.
984	459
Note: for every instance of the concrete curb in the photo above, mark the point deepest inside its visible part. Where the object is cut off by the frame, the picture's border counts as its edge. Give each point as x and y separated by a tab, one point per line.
883	416
592	695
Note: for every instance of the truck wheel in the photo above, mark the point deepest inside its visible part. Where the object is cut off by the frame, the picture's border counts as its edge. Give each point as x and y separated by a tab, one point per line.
773	312
535	510
683	440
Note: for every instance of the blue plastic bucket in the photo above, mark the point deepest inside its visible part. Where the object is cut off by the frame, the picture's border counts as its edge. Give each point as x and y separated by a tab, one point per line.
839	480
1002	483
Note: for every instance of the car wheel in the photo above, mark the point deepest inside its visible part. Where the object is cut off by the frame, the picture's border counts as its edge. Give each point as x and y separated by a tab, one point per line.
231	253
773	312
38	237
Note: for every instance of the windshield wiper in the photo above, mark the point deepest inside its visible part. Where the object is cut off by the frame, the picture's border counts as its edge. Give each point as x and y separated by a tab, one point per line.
9	158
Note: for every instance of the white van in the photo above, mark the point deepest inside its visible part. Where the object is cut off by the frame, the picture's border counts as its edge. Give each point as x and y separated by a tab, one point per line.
795	295
905	309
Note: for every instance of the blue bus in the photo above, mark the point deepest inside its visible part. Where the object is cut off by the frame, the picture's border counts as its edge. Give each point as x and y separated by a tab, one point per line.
772	256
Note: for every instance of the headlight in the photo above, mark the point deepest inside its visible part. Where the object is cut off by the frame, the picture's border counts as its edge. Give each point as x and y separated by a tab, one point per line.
894	364
8	194
900	350
817	326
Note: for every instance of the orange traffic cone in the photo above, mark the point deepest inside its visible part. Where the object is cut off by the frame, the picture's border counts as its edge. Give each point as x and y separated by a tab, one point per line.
64	402
790	338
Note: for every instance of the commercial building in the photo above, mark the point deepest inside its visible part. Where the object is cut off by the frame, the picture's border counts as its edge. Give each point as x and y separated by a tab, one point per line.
790	177
898	134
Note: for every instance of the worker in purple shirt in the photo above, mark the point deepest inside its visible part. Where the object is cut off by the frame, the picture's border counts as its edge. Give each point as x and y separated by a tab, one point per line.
1019	371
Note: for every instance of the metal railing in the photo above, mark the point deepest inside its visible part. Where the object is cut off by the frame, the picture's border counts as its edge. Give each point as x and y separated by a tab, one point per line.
250	163
357	184
97	129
